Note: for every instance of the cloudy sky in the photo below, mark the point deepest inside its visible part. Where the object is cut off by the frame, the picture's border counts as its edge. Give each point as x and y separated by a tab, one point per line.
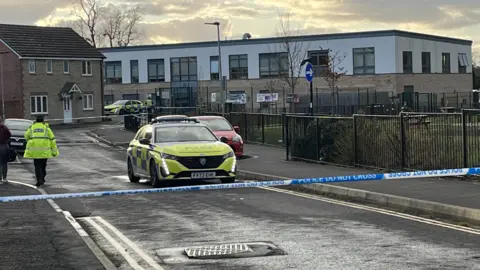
168	21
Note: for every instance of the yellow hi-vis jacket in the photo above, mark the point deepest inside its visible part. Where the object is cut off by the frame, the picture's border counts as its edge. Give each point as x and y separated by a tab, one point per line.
41	142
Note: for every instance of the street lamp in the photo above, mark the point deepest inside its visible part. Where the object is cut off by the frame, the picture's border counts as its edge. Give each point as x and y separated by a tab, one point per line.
309	76
1	84
219	65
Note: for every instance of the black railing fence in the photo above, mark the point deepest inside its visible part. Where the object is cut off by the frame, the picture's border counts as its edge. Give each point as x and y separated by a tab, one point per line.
409	140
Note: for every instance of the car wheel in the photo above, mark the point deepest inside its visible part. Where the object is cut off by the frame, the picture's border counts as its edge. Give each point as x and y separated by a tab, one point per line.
131	175
229	180
156	182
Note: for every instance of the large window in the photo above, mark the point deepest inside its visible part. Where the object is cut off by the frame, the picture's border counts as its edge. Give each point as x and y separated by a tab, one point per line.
407	62
238	67
86	68
462	63
426	62
88	102
39	104
364	60
184	69
156	70
214	72
113	72
273	65
319	62
134	71
445	63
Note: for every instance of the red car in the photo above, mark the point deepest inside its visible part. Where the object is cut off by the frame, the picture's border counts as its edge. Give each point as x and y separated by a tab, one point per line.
222	128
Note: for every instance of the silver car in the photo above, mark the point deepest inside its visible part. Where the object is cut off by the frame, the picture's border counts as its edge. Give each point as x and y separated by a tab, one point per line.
17	128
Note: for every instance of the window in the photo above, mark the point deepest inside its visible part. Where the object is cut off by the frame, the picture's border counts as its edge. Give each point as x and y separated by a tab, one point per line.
113	72
462	63
364	60
32	67
87	102
184	134
184	69
127	97
273	65
319	62
38	104
86	68
407	62
214	73
66	66
49	66
426	64
156	70
107	99
238	67
445	63
134	71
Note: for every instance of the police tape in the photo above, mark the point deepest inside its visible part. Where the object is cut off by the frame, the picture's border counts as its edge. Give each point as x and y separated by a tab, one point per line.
304	181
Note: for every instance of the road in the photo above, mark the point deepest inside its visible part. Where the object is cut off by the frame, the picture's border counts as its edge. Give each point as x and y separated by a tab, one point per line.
150	231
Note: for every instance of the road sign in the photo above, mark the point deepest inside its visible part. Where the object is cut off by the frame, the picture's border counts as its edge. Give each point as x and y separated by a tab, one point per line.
309	72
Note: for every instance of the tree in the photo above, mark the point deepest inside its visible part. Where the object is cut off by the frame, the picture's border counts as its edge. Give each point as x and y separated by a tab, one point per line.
291	52
333	72
97	21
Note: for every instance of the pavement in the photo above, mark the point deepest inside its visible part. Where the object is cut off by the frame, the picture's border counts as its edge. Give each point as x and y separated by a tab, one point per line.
150	231
440	197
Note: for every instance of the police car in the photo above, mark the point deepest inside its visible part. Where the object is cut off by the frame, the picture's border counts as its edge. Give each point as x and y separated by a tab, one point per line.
179	149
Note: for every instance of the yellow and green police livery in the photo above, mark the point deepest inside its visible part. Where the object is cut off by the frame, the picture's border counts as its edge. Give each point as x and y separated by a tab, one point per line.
121	107
179	150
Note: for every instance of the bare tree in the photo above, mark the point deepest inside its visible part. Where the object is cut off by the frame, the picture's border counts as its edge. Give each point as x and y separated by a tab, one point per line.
333	72
89	14
120	26
476	58
291	52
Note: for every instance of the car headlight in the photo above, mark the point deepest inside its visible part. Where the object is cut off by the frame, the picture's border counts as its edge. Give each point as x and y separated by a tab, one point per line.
229	155
237	138
168	156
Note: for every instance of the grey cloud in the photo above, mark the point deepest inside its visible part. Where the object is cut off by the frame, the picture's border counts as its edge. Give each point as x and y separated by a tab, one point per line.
28	11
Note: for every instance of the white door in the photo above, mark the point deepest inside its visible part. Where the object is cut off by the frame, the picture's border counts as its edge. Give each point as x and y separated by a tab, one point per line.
67	110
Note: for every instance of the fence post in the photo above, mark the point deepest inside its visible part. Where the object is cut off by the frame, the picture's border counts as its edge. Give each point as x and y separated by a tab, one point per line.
283	128
263	127
317	131
402	140
287	141
464	139
355	138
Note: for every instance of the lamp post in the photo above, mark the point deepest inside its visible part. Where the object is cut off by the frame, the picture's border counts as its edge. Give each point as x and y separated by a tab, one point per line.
220	66
1	84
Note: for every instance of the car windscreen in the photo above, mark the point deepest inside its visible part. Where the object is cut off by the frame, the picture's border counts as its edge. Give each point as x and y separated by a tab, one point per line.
216	124
120	102
183	134
18	125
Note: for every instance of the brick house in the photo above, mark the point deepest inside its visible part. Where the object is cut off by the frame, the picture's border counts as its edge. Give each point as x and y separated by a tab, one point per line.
50	71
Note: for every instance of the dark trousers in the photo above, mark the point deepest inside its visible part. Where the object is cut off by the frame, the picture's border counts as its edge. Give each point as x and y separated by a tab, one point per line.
3	161
40	169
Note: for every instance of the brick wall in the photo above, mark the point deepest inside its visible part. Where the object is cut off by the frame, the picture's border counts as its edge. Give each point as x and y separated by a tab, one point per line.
42	83
12	84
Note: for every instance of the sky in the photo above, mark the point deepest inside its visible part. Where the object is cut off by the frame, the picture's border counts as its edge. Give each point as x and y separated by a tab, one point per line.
172	21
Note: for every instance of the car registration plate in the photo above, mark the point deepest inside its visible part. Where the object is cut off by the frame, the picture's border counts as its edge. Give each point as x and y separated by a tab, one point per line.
203	175
16	143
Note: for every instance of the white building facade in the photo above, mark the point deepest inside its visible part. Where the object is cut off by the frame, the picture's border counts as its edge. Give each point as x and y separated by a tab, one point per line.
389	61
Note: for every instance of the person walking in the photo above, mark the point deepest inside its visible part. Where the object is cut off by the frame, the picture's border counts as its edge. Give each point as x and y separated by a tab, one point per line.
4	147
41	145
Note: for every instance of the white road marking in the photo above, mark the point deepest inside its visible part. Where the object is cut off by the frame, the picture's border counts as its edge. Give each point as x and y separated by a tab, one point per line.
377	210
121	249
132	245
50	201
75	224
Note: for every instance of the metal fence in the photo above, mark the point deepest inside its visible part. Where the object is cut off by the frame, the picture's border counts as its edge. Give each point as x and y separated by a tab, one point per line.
410	140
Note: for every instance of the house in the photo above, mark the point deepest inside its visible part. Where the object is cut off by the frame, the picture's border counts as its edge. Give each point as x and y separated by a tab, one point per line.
50	71
391	62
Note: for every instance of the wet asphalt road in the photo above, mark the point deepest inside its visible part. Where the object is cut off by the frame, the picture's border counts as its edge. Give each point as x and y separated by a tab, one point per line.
314	234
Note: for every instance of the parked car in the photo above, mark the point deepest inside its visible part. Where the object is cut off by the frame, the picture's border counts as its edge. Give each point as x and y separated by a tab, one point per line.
222	128
17	128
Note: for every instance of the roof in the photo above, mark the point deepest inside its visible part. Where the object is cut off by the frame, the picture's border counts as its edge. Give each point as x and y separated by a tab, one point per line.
47	42
257	41
69	87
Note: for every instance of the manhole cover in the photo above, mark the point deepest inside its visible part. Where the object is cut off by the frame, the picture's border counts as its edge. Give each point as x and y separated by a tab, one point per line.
216	250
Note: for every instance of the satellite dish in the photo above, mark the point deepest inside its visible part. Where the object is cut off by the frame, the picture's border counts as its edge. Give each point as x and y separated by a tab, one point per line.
247	36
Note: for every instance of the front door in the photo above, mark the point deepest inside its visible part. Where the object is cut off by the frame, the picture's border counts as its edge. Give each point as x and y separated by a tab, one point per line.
67	110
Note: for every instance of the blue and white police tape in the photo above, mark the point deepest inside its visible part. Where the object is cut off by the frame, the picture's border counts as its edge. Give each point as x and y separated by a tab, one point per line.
332	179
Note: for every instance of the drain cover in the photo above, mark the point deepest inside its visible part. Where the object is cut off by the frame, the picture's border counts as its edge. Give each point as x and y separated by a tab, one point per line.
217	250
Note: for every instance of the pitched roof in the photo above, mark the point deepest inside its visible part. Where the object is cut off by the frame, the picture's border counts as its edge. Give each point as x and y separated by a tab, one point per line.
46	42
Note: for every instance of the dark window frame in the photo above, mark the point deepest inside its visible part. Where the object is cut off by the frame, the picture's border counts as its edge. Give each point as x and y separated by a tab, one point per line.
426	62
446	63
190	61
117	65
407	61
159	75
320	61
240	72
366	51
214	76
134	76
273	59
462	63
